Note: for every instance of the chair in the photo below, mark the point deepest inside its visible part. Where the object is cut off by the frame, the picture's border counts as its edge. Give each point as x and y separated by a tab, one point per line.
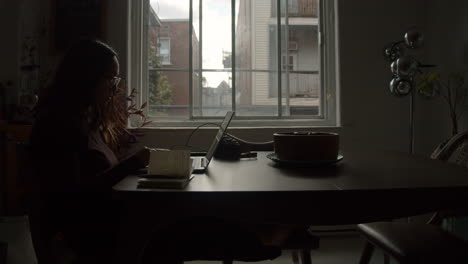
419	242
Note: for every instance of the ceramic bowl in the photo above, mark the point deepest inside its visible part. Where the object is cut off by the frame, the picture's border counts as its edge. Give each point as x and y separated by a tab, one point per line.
305	145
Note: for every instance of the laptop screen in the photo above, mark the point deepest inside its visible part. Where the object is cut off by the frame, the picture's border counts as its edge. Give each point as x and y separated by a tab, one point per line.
219	135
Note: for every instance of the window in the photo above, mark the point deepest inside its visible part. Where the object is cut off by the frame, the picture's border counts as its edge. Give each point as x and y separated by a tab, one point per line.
288	65
164	50
293	7
300	8
195	60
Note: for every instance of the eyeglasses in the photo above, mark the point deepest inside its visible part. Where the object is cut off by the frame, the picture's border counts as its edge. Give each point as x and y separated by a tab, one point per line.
115	81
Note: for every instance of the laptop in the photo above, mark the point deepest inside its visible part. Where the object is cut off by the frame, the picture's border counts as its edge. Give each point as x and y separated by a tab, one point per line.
200	163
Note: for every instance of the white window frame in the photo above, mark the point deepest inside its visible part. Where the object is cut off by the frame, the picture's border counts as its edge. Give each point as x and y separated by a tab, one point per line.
137	72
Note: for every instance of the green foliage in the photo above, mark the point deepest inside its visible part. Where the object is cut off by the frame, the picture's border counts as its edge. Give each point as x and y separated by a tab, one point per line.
134	110
427	84
451	89
160	89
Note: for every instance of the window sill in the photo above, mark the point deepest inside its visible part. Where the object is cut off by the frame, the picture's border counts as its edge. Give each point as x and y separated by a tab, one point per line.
173	136
318	128
245	124
177	136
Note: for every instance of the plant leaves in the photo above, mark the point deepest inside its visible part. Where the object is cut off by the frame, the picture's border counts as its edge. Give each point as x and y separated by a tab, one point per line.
147	123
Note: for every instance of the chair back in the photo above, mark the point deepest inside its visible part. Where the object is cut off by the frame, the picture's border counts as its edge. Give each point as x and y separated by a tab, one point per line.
455	150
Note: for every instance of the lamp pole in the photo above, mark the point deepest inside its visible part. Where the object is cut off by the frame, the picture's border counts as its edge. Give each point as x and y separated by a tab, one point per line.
411	121
404	68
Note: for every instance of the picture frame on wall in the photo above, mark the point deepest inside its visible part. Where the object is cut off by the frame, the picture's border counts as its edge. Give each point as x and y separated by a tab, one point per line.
73	20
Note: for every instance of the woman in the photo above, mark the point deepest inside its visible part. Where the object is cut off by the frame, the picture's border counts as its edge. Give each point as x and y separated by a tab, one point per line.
78	152
77	149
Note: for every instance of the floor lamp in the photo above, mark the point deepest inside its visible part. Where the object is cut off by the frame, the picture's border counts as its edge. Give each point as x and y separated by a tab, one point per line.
404	68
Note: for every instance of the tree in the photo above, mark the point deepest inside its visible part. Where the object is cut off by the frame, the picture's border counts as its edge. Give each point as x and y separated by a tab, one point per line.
160	89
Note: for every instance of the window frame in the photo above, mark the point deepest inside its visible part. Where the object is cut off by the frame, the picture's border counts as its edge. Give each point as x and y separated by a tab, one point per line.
137	72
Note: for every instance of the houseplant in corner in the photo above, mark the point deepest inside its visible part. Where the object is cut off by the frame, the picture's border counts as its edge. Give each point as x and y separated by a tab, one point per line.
451	89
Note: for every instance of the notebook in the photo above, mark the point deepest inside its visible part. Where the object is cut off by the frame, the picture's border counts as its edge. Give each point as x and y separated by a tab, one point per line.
164	182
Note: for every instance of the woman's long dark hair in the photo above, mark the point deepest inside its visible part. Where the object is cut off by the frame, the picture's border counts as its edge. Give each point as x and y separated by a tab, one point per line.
72	93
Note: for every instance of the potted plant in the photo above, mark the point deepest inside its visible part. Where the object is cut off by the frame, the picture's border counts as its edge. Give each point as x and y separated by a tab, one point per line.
452	89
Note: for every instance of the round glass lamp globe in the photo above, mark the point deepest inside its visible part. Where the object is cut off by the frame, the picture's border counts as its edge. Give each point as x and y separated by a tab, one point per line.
406	66
400	87
414	39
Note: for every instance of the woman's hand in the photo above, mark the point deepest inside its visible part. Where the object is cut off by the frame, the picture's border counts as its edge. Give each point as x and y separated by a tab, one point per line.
143	156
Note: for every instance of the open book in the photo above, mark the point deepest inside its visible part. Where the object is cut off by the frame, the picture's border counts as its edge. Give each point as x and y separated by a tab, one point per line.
167	169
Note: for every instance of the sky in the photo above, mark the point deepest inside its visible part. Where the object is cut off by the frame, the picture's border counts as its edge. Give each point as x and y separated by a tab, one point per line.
216	30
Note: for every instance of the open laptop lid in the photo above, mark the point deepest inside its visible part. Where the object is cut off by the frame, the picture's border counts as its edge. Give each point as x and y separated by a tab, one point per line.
222	129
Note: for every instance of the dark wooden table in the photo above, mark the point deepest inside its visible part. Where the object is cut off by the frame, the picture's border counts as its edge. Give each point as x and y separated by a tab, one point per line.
367	185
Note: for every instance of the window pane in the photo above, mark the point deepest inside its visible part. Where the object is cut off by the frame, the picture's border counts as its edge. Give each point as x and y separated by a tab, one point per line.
300	60
168	57
293	7
167	99
257	51
297	8
215	42
253	99
215	98
256	59
301	81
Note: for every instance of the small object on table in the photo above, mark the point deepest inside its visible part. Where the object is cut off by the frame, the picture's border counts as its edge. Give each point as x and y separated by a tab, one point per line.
233	148
167	169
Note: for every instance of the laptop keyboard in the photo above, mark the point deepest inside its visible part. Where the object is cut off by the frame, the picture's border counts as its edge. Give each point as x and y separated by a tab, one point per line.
199	162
